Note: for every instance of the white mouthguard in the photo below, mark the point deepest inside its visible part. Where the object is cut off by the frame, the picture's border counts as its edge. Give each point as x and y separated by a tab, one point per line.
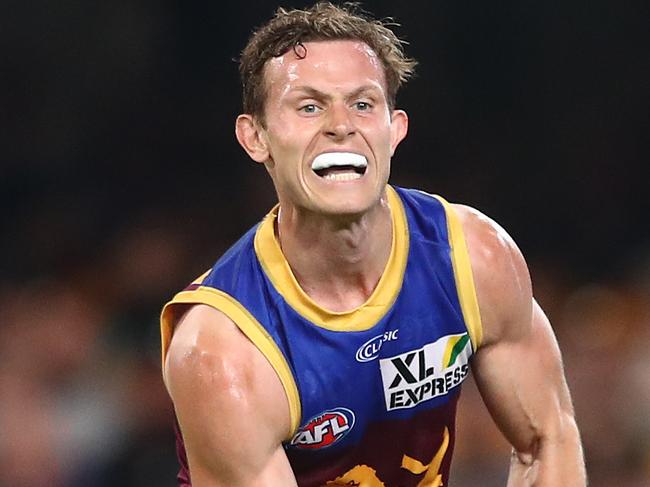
331	159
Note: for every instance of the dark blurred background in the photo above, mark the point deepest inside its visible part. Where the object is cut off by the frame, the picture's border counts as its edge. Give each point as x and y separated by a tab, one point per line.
121	180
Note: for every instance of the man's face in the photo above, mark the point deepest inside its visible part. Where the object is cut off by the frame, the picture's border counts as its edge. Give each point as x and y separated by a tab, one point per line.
329	134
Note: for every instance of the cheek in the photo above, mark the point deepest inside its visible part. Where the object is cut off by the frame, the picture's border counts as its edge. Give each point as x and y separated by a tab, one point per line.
283	150
285	157
290	138
281	132
381	140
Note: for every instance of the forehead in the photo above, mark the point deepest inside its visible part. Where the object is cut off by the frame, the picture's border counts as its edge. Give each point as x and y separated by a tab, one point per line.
339	63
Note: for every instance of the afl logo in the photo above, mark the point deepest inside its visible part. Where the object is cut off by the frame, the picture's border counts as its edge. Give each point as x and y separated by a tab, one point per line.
324	430
370	350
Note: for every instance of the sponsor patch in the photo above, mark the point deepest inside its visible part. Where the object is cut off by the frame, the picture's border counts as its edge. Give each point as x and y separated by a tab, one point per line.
370	350
420	375
324	430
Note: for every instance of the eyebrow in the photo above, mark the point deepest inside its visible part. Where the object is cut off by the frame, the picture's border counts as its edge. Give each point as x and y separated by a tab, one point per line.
314	93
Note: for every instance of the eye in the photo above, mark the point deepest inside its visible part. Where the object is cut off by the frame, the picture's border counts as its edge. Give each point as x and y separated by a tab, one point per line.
362	106
309	108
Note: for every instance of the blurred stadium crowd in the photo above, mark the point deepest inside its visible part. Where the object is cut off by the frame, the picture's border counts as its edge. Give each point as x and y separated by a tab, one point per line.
120	181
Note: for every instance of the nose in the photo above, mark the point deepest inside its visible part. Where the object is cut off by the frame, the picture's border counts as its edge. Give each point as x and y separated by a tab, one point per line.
339	124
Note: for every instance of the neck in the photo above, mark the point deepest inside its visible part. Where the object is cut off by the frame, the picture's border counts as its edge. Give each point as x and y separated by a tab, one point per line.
337	261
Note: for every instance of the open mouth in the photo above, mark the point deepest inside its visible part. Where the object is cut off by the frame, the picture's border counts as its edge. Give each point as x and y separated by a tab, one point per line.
340	166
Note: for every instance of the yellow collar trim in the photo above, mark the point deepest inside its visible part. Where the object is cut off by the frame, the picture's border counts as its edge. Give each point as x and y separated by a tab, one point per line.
365	316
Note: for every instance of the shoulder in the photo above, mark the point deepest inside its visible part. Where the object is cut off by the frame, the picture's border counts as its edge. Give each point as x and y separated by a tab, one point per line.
211	363
501	276
204	340
231	408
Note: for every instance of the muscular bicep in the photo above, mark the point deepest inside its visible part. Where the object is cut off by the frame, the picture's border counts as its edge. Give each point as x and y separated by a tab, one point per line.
518	367
230	404
522	383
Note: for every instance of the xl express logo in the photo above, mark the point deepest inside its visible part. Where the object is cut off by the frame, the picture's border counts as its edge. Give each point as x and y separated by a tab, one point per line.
431	371
324	430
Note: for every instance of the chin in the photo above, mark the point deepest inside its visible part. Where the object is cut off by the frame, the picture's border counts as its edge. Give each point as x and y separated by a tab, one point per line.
350	198
347	207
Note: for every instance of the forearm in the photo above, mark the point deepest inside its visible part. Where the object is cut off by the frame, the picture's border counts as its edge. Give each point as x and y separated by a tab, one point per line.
554	461
276	472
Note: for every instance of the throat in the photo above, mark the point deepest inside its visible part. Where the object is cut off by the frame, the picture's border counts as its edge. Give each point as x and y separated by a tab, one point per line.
339	281
337	265
341	300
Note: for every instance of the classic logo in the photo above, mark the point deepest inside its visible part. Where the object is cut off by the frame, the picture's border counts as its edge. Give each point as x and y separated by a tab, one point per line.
325	429
431	371
370	350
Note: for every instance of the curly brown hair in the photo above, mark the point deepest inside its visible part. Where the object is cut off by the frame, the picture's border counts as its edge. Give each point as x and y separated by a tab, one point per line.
288	29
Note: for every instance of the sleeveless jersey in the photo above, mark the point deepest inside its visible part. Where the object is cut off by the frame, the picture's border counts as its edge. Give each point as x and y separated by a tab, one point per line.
372	392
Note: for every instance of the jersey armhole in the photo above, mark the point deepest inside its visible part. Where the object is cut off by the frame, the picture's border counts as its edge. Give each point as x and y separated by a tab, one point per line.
463	275
247	323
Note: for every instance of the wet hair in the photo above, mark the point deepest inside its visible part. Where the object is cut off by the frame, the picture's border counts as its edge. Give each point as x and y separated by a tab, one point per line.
289	29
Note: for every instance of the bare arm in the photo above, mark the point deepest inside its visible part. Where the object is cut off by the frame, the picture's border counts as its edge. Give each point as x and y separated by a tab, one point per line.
518	367
231	407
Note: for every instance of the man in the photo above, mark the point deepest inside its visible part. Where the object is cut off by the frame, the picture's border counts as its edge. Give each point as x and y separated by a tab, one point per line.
327	347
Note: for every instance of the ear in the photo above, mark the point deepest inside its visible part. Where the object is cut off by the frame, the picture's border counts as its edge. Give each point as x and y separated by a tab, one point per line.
399	126
252	138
